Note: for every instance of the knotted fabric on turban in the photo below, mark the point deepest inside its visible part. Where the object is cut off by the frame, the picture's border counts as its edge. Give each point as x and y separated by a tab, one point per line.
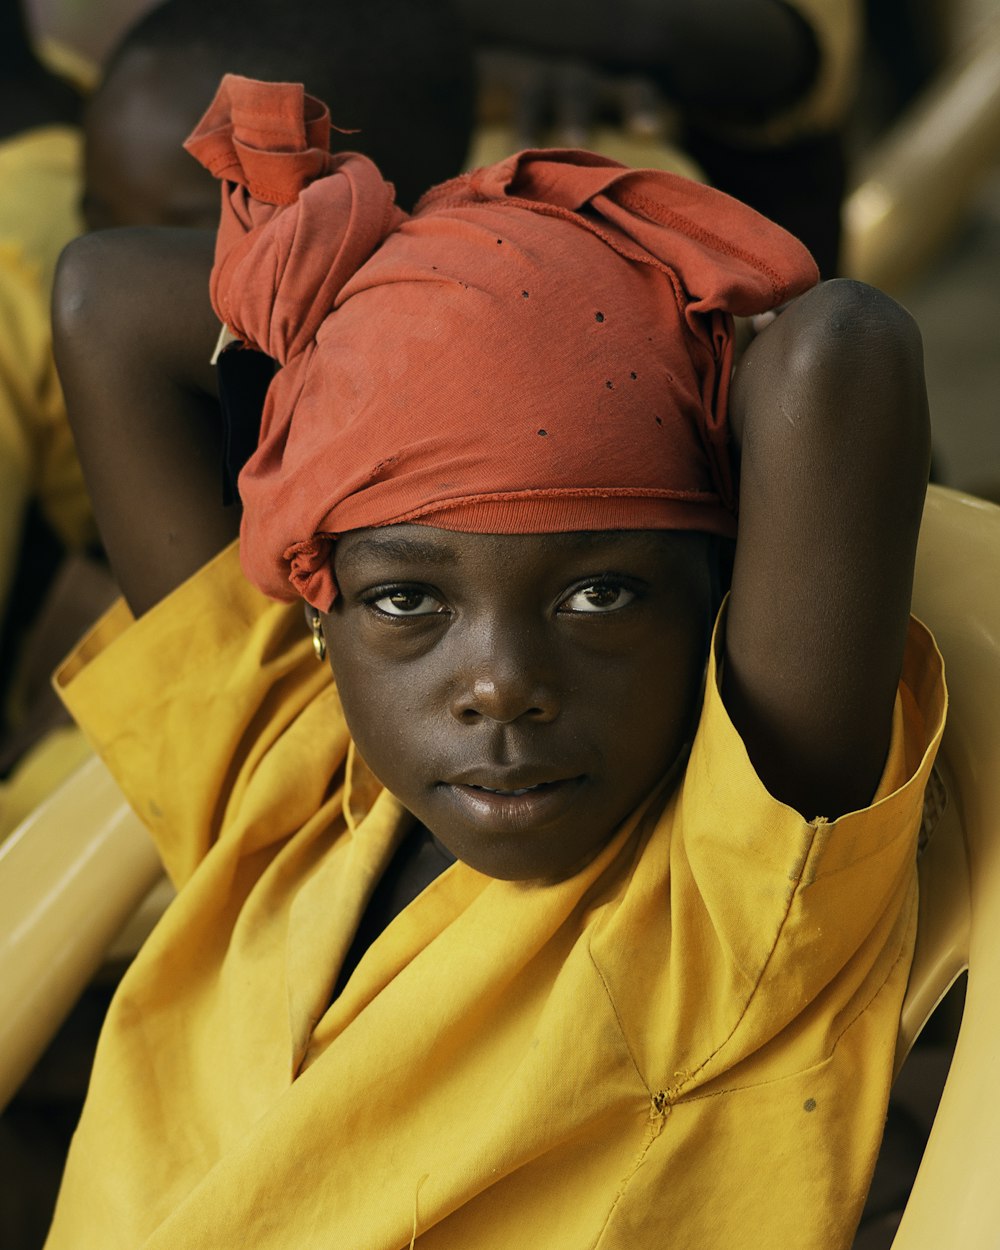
544	345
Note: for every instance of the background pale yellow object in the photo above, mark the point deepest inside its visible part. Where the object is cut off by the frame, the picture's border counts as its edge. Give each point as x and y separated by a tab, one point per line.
956	1199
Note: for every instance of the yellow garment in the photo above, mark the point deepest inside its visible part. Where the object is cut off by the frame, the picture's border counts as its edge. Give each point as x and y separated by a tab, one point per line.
68	62
40	173
687	1044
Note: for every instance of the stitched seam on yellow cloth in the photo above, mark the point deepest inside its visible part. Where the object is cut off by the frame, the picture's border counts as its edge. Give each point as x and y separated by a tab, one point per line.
705	1095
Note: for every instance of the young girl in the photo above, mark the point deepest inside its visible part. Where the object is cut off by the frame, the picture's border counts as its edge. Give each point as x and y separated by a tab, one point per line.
502	939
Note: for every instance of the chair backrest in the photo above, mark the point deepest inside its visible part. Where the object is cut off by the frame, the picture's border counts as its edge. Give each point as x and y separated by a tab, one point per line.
956	1199
70	877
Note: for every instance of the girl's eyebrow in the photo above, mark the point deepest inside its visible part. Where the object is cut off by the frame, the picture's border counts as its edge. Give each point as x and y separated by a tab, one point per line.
396	547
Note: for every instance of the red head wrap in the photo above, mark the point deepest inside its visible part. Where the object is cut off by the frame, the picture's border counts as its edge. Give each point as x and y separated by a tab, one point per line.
545	345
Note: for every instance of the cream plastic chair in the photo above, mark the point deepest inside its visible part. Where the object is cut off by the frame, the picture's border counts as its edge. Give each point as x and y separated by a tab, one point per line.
956	1199
73	873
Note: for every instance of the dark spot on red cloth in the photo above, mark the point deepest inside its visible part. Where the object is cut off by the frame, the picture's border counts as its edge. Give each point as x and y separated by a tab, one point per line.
543	433
499	240
659	420
633	375
609	384
524	294
599	316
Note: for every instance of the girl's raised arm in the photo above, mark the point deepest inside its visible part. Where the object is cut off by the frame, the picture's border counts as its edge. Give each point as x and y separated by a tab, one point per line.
830	410
134	333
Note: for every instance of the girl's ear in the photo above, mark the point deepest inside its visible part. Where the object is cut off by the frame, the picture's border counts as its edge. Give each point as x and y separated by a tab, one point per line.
314	623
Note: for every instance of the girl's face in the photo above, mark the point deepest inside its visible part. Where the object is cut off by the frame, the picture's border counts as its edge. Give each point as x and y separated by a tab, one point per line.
519	693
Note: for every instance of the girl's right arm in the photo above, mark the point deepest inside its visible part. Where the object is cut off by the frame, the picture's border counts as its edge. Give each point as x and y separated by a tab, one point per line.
197	710
134	333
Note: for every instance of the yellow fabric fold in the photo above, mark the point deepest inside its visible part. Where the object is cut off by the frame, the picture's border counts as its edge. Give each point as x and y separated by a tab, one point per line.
41	177
688	1043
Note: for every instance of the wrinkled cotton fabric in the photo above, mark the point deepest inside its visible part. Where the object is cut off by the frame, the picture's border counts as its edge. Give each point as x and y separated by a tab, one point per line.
544	345
687	1044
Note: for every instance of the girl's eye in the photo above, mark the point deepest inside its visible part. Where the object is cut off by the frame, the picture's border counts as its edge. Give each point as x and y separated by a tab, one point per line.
600	597
407	602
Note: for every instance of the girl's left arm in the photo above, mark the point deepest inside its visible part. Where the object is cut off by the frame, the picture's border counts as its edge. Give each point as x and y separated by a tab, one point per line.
829	412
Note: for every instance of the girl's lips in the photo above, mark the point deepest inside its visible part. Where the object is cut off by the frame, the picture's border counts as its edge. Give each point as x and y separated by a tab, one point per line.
522	807
512	793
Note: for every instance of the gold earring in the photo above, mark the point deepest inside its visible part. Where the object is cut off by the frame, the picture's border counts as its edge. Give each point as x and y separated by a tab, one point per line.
319	642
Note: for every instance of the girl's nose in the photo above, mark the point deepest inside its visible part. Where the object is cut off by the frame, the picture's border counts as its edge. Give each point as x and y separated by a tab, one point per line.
505	689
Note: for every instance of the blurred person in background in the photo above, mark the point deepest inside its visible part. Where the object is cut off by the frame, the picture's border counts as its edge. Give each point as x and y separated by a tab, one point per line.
754	92
43	503
408	105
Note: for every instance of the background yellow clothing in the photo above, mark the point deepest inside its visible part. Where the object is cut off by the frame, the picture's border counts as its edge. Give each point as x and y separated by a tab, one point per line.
41	177
688	1043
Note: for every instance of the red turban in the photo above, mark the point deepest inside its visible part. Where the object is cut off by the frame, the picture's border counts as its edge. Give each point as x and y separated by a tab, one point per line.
544	345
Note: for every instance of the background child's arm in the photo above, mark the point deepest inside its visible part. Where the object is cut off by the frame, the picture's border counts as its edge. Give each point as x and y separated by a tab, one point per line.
829	408
134	331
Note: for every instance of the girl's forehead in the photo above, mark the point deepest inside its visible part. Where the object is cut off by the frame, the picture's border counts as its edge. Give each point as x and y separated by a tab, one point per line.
483	554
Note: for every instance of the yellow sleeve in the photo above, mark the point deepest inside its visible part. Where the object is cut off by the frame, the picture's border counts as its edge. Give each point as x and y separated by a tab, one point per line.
40	172
779	913
21	346
37	452
212	713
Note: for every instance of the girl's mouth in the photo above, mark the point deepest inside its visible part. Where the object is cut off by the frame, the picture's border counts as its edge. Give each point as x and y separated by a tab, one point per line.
514	793
517	808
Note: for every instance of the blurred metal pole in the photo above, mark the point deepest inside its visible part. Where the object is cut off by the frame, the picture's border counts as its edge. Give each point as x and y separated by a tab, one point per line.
918	179
70	877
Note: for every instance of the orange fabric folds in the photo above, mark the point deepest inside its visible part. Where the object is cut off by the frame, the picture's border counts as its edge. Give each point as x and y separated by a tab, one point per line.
544	345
